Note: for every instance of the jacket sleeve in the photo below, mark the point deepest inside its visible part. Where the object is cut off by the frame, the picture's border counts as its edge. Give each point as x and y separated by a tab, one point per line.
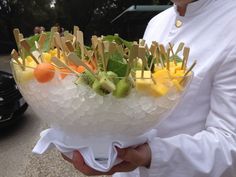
211	152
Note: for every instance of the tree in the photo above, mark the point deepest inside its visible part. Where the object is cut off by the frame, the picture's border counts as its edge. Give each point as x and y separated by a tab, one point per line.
25	15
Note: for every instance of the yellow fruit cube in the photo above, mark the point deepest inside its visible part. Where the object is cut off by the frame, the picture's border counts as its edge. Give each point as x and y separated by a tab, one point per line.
160	76
46	57
159	90
143	83
23	76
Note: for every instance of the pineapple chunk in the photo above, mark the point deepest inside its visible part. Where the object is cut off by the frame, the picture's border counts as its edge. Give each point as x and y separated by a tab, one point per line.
159	90
46	57
160	76
145	83
23	76
178	75
146	74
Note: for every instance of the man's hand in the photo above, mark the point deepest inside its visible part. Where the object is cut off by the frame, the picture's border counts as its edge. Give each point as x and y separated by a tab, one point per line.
132	158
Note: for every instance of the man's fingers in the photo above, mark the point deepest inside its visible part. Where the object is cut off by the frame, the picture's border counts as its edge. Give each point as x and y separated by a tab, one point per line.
138	156
122	167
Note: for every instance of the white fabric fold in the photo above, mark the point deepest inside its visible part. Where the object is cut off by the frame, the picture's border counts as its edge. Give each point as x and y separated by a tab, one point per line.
51	138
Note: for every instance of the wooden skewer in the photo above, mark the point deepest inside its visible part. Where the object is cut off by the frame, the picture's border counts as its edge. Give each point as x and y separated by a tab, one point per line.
94	40
15	56
153	50
76	28
173	54
80	39
163	51
16	33
158	60
112	47
53	31
39	50
134	53
58	48
142	42
106	45
141	54
26	46
101	53
191	68
185	59
21	36
61	64
63	42
132	56
59	43
90	54
70	46
69	36
188	71
75	59
180	48
42	40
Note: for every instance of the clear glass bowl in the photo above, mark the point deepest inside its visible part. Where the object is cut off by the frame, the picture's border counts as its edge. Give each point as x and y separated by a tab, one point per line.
96	120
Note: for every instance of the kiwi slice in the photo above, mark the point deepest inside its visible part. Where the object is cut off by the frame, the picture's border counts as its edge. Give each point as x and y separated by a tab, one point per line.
86	78
123	88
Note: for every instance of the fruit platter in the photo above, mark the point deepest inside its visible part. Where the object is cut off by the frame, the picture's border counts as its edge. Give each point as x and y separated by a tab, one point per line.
111	90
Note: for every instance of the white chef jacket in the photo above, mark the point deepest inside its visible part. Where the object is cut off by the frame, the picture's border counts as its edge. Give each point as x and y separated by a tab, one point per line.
199	138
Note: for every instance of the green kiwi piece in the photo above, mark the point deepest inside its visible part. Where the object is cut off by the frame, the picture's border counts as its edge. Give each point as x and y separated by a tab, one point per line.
106	84
86	78
123	88
97	87
113	77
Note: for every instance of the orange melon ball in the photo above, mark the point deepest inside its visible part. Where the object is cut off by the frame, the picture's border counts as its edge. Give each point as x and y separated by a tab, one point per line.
44	72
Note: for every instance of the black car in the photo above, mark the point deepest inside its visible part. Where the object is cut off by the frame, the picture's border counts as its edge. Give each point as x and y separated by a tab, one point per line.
12	104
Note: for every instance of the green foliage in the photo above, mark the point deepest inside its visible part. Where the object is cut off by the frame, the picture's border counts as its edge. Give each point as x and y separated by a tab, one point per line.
118	40
31	40
117	65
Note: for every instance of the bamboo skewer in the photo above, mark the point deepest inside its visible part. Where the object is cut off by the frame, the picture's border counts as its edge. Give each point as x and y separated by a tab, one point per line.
70	46
15	56
53	31
163	51
16	33
40	43
106	52
58	41
141	54
173	54
101	54
80	39
158	55
63	42
153	50
40	51
61	64
188	71
75	59
42	40
185	59
57	47
132	56
180	48
26	46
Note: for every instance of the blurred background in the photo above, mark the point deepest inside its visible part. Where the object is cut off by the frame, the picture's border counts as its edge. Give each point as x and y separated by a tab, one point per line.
100	17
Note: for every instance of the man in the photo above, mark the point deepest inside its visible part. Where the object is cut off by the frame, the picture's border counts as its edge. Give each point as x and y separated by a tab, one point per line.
199	138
